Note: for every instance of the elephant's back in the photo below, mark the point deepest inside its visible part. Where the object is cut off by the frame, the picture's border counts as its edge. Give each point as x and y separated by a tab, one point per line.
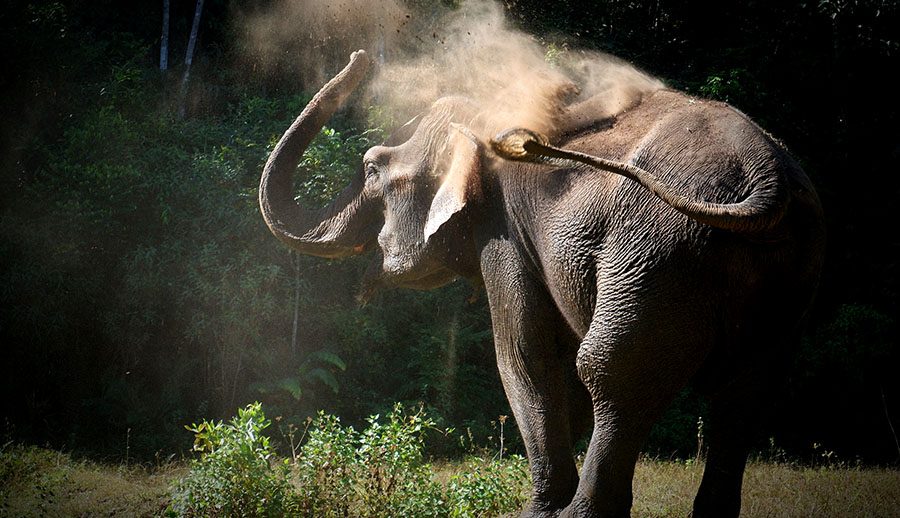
703	150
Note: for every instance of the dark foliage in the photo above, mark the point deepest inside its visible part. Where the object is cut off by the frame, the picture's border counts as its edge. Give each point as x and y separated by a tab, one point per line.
140	290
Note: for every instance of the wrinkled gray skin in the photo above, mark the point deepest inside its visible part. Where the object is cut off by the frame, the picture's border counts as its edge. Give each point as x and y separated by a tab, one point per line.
608	293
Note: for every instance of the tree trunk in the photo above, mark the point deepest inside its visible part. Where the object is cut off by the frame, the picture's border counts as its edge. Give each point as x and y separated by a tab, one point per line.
164	42
296	261
189	58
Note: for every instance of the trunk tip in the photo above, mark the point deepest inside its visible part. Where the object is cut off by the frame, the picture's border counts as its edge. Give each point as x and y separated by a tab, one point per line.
359	54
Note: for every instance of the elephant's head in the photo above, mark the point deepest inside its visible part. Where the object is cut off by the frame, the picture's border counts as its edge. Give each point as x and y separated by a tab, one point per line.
408	196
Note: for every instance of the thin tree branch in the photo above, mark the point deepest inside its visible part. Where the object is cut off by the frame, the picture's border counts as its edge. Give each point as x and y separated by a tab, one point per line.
189	58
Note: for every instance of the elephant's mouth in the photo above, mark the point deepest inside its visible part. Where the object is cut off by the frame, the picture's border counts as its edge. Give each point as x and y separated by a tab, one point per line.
428	281
365	247
377	278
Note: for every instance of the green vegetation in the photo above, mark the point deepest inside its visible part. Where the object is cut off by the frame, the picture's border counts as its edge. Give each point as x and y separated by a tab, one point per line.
235	476
140	289
338	472
37	482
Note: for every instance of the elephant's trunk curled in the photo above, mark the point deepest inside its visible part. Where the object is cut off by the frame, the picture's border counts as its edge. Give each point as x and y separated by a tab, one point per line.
322	232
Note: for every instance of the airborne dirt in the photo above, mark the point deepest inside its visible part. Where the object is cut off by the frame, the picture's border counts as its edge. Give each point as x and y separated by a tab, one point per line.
425	53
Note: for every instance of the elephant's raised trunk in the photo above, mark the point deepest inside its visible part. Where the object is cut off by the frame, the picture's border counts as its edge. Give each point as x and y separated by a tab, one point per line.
327	231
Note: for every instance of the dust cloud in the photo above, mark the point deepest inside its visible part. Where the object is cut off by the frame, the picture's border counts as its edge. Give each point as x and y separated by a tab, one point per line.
309	40
425	50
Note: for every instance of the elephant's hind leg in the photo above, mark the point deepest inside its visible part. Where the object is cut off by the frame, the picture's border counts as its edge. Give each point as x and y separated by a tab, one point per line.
739	410
742	380
633	368
733	424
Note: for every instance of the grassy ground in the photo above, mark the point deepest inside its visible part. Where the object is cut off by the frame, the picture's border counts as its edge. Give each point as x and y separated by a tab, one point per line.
666	489
36	482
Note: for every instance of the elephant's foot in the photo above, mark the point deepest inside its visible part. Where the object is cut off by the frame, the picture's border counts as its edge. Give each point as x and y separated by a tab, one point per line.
547	511
582	507
579	508
534	513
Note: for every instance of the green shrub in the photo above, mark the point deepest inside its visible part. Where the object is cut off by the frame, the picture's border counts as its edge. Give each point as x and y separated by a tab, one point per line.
378	472
395	479
236	474
339	472
326	468
488	488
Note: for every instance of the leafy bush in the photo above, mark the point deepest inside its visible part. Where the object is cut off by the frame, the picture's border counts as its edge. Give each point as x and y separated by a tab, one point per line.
488	488
381	472
236	476
325	468
339	472
378	472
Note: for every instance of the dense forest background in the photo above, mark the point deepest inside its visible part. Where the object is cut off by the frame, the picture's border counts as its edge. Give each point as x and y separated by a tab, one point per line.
140	289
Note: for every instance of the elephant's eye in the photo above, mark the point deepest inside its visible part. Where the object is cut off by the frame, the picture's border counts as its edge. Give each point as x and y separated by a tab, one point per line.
371	170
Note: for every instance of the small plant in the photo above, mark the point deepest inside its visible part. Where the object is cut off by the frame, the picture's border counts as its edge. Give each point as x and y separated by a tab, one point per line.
236	474
381	472
319	367
488	485
776	454
378	472
326	468
488	488
699	455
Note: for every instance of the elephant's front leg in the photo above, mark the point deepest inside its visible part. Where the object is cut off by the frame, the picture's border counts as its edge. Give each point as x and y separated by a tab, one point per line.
531	341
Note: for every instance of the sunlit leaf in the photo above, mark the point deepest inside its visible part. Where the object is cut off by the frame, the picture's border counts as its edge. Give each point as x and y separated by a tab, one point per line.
325	377
292	385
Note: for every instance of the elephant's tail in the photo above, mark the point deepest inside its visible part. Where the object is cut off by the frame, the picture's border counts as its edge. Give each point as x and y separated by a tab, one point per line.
760	211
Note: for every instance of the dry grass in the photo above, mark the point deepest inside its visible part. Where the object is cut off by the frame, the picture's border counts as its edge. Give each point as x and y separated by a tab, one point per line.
782	491
776	490
36	482
664	488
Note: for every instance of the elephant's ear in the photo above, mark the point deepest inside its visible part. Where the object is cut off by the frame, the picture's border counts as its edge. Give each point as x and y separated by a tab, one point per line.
461	184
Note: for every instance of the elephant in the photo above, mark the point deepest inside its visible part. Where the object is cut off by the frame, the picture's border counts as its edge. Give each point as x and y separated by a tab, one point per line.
675	244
